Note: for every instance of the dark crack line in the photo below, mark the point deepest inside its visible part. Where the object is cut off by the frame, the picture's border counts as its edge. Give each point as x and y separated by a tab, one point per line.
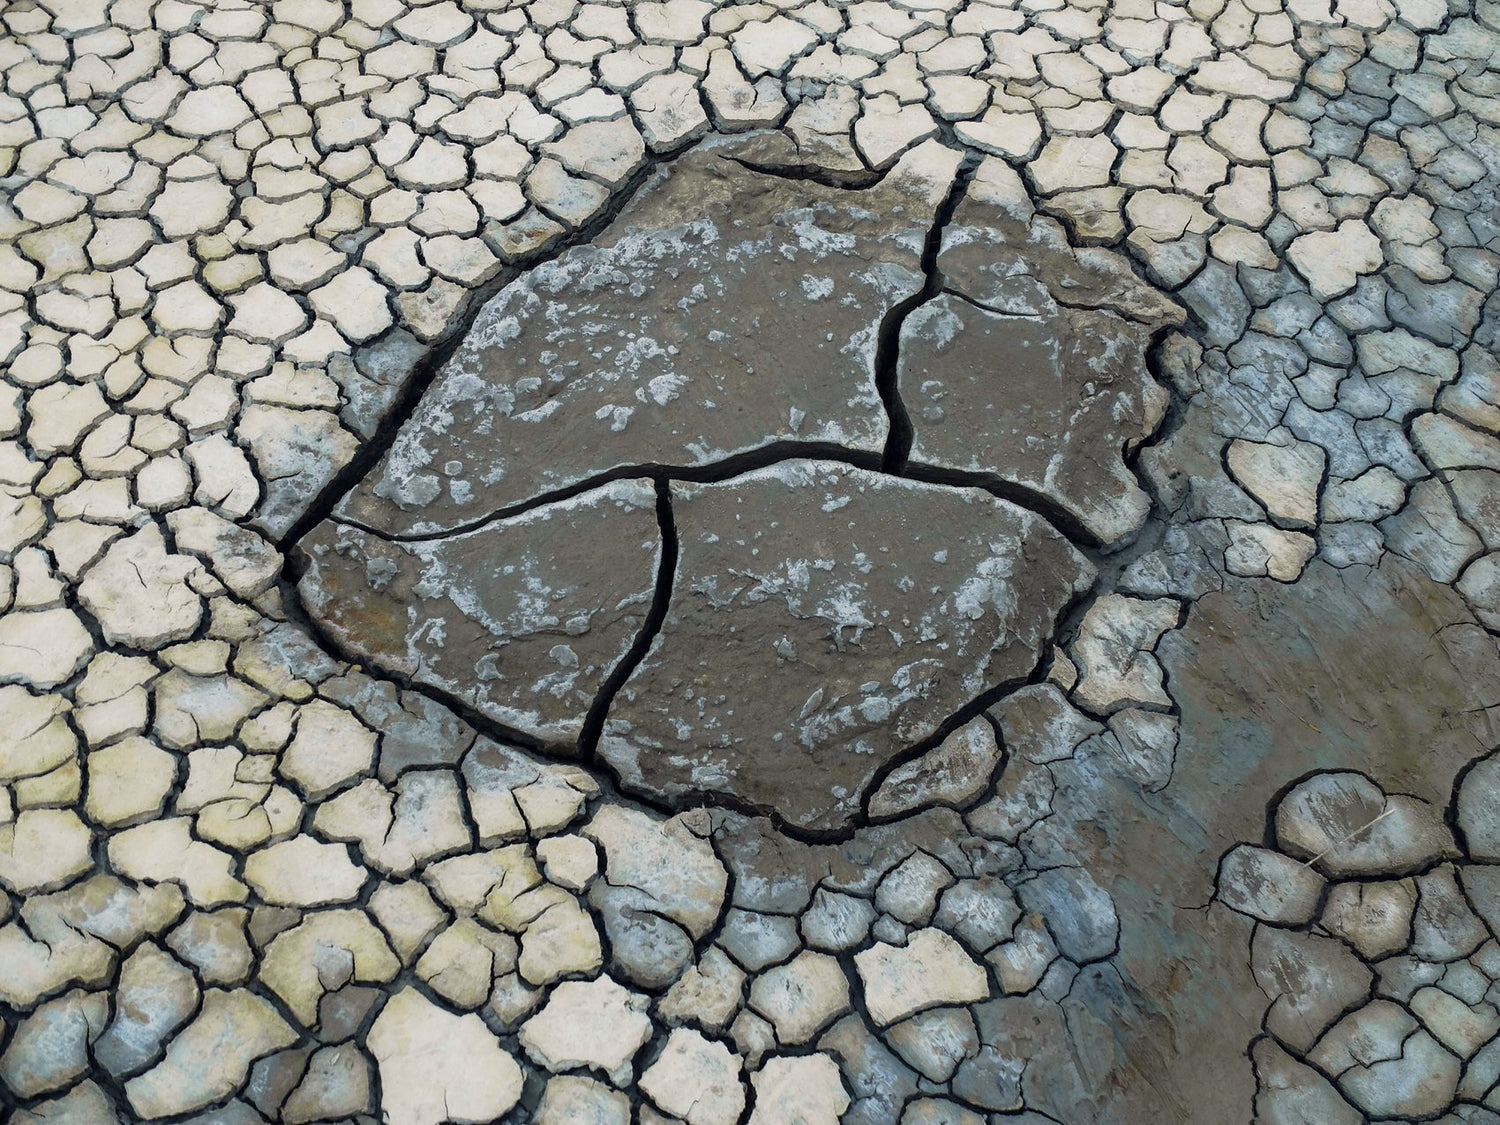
764	457
808	173
888	342
712	473
1025	496
666	577
426	369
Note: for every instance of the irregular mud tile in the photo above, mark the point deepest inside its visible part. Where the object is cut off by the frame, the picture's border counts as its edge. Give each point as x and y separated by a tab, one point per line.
1310	981
1291	1092
141	593
374	377
436	1066
1386	1064
597	1024
211	1057
1051	403
327	950
523	619
755	940
337	1084
85	1102
49	1050
44	850
836	922
823	621
155	995
1477	807
707	994
696	1079
909	893
1375	918
936	1042
574	1100
930	970
1344	825
297	453
414	731
803	1088
879	1081
663	889
1267	885
669	340
801	997
998	253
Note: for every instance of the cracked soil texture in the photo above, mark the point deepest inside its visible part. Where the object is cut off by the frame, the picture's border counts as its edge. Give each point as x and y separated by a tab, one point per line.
888	562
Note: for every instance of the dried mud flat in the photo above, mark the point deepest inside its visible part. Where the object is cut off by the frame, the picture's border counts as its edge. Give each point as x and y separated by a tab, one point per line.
889	562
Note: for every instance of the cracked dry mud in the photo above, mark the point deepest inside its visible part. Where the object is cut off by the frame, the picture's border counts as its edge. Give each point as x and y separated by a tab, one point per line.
894	562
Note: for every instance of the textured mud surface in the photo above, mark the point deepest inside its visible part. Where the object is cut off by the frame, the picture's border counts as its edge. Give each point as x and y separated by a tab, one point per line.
883	563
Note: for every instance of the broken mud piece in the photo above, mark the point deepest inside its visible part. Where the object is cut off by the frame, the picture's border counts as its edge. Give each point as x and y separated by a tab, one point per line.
823	621
522	619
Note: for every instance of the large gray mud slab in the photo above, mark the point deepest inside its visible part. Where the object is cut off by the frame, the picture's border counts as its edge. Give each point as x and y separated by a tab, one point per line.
1378	670
823	621
523	619
1050	401
723	311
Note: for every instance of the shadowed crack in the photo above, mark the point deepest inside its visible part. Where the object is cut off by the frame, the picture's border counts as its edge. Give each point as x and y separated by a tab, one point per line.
593	723
888	345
